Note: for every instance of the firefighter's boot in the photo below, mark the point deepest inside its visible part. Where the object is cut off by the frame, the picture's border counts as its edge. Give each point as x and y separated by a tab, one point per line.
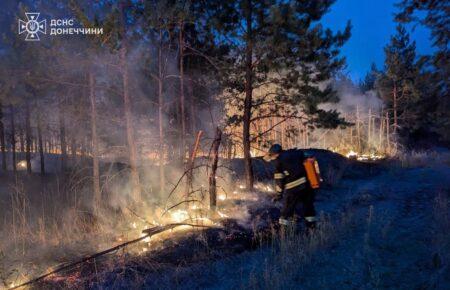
287	226
310	223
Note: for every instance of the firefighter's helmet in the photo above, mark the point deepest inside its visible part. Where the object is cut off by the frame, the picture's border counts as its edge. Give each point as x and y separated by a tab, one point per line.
275	149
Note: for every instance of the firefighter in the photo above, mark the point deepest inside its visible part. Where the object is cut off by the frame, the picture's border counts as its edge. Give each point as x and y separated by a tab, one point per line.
292	185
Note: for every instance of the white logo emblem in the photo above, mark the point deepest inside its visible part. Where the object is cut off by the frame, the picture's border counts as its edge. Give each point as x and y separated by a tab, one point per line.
32	26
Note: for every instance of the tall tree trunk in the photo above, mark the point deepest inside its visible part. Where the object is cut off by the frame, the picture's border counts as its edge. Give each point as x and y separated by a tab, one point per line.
73	148
191	95
358	129
212	175
248	98
136	185
182	99
2	139
388	140
13	139
83	150
28	136
395	108
229	148
62	136
21	139
380	132
162	180
36	146
40	141
369	129
191	165
373	129
95	161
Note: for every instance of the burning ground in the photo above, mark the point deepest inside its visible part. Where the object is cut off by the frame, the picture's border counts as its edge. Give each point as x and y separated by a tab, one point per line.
382	225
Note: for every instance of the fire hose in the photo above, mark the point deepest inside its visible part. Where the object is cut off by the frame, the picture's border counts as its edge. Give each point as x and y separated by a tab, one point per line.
147	233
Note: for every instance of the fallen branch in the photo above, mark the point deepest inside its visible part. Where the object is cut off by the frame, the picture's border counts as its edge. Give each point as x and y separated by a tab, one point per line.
148	233
177	204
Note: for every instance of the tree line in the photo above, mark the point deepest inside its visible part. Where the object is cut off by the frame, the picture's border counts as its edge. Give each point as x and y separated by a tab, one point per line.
165	69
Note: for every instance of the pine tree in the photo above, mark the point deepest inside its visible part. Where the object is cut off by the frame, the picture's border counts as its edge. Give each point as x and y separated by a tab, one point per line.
280	47
370	79
399	82
434	78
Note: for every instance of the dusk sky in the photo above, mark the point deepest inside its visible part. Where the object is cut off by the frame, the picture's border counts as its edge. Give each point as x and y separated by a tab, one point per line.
373	25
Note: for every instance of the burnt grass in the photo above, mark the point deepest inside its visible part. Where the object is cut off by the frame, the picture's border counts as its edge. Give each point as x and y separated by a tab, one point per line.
182	250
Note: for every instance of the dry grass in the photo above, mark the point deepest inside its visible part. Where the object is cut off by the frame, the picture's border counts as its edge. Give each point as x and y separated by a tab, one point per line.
333	175
43	226
292	252
284	262
441	240
423	159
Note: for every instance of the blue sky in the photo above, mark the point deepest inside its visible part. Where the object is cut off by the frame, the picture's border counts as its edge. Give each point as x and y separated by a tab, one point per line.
373	25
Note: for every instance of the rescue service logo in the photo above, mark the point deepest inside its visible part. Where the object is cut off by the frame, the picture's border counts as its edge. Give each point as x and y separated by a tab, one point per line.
32	27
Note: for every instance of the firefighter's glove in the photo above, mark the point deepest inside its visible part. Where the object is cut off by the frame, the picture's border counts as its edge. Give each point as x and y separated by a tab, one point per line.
277	197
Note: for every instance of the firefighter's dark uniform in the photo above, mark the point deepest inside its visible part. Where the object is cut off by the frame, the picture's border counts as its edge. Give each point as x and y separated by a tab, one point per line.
290	178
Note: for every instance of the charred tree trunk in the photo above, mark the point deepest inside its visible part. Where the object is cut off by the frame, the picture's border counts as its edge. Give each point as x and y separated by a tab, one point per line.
28	136
212	175
248	98
2	139
40	141
62	136
13	139
95	161
182	99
